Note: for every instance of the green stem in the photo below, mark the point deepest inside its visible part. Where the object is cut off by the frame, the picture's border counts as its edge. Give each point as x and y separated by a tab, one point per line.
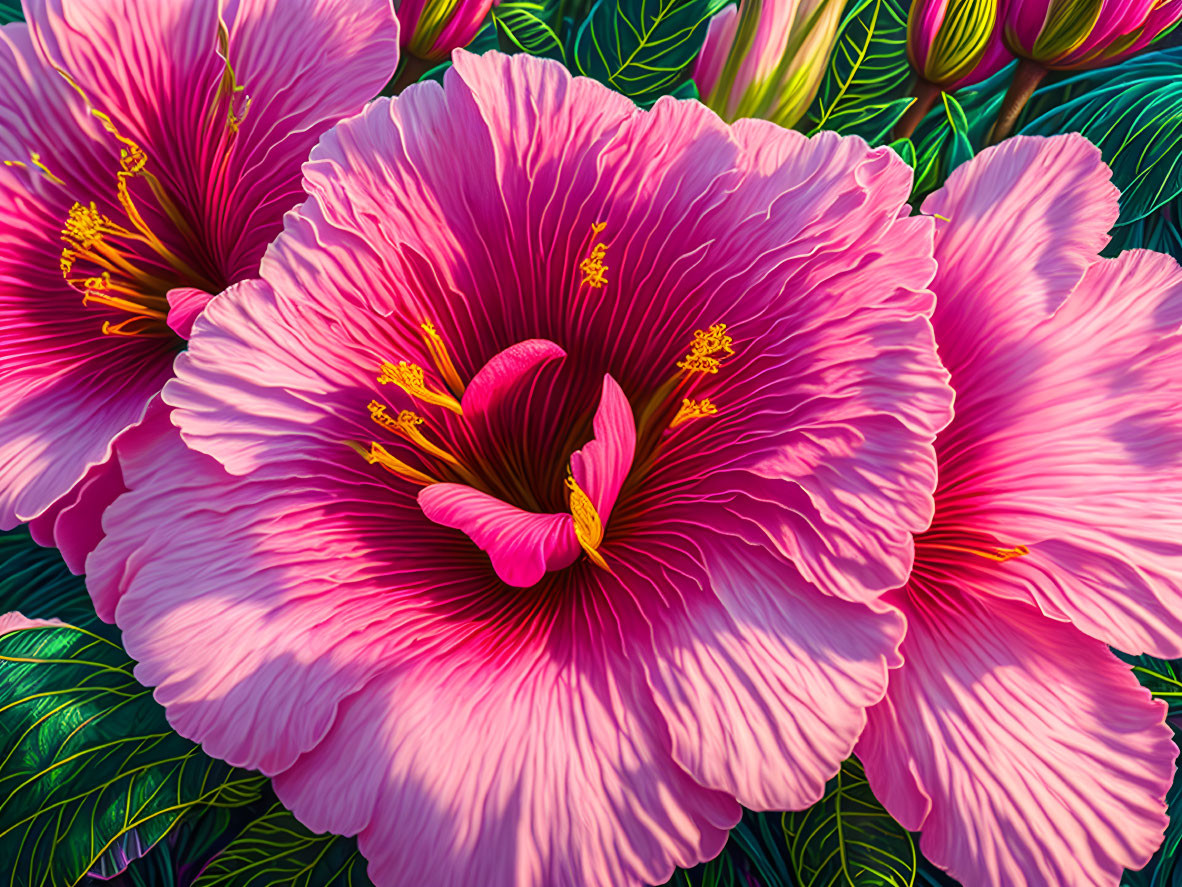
1026	79
926	94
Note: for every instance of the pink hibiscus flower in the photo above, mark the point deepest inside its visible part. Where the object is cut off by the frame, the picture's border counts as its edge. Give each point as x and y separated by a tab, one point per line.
1025	750
150	149
561	478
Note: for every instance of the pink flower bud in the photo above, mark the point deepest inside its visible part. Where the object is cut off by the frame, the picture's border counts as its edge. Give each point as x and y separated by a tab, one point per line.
1073	34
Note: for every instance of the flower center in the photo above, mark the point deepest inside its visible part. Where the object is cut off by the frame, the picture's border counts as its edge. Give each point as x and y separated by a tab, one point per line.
474	480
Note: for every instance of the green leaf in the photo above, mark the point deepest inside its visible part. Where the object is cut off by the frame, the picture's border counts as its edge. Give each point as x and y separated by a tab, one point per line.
642	48
865	88
523	26
1157	231
847	839
86	755
10	11
1133	112
1161	677
905	149
35	581
276	849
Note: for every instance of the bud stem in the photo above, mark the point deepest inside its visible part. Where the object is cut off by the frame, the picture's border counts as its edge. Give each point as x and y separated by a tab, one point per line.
925	93
1026	79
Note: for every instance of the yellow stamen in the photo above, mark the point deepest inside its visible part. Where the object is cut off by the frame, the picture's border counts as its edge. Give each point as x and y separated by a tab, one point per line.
145	327
36	161
592	266
705	345
1000	555
588	526
442	359
407	424
377	455
85	227
693	409
409	377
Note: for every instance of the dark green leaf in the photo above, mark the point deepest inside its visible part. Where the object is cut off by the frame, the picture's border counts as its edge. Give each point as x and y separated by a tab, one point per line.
87	755
523	26
10	11
276	849
848	840
865	88
1133	111
642	48
1161	677
905	149
1158	231
35	581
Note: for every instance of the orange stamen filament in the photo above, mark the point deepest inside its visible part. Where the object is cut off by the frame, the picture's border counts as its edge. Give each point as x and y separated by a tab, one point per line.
693	409
999	555
441	358
378	455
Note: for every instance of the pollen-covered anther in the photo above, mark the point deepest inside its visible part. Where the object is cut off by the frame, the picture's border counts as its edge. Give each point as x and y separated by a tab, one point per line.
378	455
588	526
85	227
592	267
409	377
406	424
441	358
706	344
693	409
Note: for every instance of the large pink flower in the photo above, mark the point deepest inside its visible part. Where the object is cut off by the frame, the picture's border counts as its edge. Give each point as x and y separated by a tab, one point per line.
1027	752
150	149
564	473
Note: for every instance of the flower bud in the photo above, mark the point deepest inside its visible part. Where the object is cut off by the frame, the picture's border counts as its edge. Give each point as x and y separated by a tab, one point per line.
955	43
431	29
1074	34
766	58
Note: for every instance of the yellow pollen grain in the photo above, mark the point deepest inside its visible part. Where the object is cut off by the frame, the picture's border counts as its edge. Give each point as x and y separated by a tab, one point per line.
693	409
409	377
441	358
588	526
706	344
592	267
378	455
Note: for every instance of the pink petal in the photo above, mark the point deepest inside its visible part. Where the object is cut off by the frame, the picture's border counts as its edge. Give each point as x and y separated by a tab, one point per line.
765	683
184	305
601	466
74	523
14	621
1073	448
1021	221
720	35
505	371
1025	751
522	545
528	769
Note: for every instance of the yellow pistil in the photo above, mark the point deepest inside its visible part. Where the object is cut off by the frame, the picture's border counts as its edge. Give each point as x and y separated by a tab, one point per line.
441	358
406	424
588	526
592	266
378	455
409	377
999	555
706	344
693	409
